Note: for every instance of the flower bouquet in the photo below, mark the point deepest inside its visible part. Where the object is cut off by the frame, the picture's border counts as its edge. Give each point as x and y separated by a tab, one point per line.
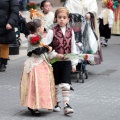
35	40
72	56
31	5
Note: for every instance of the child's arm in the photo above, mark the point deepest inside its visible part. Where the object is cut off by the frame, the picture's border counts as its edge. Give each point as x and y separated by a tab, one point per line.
101	14
38	51
52	54
110	18
49	37
47	40
73	50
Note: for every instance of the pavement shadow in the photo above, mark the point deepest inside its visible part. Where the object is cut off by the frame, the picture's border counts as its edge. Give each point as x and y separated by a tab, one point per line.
28	113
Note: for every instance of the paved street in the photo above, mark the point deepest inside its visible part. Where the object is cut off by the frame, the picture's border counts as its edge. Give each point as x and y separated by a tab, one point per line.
96	99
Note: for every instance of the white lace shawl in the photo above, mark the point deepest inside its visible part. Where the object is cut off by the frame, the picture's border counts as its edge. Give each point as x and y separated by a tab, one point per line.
35	60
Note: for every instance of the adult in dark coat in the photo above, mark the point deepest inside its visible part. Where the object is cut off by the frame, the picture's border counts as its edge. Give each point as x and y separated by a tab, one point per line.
9	12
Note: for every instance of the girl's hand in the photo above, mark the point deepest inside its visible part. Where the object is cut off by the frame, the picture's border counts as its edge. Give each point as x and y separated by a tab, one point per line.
73	69
48	47
59	56
87	16
8	26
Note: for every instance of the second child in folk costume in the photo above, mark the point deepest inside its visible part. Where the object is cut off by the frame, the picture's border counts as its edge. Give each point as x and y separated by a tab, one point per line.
48	15
62	40
106	19
37	87
88	9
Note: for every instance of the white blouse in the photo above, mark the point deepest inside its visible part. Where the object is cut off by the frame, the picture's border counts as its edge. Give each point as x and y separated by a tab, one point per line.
110	17
47	20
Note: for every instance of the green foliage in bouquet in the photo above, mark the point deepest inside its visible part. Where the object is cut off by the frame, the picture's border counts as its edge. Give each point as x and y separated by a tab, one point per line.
31	5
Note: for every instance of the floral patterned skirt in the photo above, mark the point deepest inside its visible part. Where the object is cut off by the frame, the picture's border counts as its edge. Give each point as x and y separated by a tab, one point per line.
37	88
116	23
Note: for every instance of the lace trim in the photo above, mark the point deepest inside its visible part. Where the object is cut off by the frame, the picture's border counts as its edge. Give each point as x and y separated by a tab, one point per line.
31	62
34	61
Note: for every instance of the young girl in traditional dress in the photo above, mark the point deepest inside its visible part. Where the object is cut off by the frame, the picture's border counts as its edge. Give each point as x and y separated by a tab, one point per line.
37	89
62	40
106	19
48	15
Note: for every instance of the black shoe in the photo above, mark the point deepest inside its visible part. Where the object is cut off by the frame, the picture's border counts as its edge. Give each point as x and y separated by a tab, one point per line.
2	68
57	108
71	88
105	44
68	110
34	112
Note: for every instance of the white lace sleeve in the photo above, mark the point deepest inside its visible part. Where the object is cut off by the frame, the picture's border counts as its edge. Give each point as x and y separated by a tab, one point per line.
49	37
110	18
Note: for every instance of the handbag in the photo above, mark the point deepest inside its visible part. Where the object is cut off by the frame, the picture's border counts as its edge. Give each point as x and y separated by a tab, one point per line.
8	38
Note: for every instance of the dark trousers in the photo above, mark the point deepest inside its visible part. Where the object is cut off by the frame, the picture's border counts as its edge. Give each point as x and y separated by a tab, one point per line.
105	31
62	72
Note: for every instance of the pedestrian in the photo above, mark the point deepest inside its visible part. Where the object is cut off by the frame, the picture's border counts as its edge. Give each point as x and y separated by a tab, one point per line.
88	9
20	4
116	23
37	88
62	40
48	15
106	19
24	3
9	12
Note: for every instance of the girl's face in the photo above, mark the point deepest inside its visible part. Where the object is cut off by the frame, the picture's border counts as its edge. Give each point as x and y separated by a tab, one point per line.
103	5
47	7
62	19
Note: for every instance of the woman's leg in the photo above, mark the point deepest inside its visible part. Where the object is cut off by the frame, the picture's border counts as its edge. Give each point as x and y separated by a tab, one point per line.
4	52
